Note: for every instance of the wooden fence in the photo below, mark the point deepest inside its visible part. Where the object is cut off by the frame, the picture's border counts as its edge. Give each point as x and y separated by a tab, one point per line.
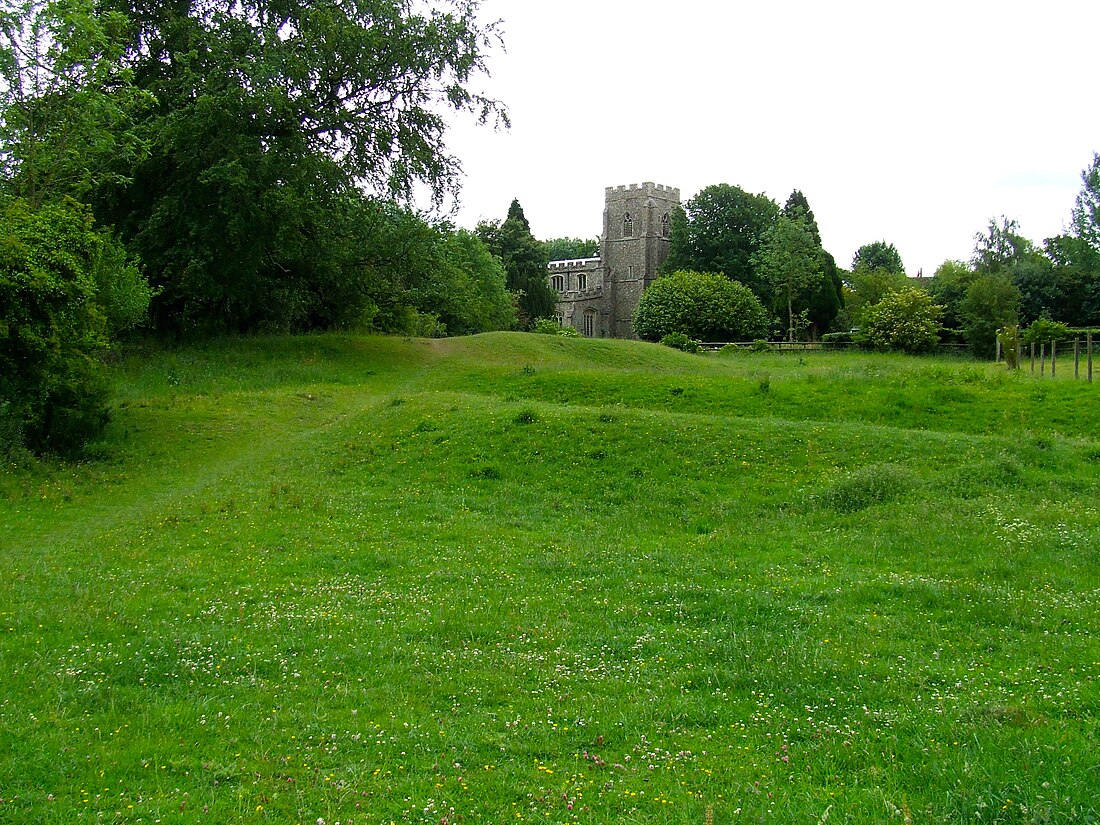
1053	349
818	346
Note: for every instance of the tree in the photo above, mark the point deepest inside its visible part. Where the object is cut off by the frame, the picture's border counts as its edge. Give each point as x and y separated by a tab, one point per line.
791	263
415	277
1000	247
702	305
1086	211
68	105
878	255
65	290
719	230
570	249
262	123
991	303
524	259
905	320
948	288
826	301
869	286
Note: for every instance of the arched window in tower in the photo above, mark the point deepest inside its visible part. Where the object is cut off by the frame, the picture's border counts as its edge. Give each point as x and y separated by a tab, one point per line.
590	323
628	226
664	225
558	282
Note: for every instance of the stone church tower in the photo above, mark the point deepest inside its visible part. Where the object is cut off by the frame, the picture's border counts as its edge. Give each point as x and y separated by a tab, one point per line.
598	295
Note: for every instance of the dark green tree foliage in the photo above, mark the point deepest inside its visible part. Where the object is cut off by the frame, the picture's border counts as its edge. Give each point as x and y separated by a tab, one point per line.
524	259
1086	211
419	278
878	255
948	288
1075	270
65	290
991	303
570	249
267	120
719	230
68	105
702	305
826	301
1000	248
791	262
1073	295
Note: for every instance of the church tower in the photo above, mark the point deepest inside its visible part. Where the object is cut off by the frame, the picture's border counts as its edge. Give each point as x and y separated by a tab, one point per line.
637	221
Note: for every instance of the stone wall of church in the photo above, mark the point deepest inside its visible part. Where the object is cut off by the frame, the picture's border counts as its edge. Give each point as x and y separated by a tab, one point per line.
598	296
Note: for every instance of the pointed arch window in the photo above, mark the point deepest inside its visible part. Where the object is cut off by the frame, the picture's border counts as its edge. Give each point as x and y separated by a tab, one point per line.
590	323
628	226
664	225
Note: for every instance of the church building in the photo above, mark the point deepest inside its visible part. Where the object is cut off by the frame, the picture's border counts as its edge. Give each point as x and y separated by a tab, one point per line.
597	296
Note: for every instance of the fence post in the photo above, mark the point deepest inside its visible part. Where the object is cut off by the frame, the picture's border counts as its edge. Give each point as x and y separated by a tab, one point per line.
997	354
1088	346
1076	358
1042	358
1032	357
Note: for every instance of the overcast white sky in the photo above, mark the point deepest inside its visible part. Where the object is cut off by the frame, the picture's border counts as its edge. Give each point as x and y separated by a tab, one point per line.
913	123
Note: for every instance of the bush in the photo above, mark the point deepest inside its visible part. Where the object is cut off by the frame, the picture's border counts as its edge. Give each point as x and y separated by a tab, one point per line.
1045	331
700	305
65	289
905	320
547	326
677	340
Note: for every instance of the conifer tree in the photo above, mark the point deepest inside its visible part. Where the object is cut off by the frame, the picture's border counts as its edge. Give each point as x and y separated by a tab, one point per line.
525	260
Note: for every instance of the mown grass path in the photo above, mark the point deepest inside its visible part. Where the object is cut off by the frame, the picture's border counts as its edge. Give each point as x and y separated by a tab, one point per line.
523	578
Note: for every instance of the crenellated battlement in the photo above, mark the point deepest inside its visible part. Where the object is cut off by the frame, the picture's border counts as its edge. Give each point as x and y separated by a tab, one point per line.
576	263
648	188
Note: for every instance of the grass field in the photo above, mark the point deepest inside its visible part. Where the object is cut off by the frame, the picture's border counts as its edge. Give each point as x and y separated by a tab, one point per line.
518	578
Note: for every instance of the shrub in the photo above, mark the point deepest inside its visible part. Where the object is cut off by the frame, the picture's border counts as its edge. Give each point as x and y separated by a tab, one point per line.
905	320
1045	331
548	326
65	289
700	305
677	340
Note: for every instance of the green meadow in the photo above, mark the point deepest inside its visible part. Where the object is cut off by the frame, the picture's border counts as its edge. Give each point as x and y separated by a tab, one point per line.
522	578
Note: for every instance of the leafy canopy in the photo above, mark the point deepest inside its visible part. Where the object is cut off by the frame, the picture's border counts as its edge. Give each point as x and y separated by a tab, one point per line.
524	259
719	230
791	262
878	255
